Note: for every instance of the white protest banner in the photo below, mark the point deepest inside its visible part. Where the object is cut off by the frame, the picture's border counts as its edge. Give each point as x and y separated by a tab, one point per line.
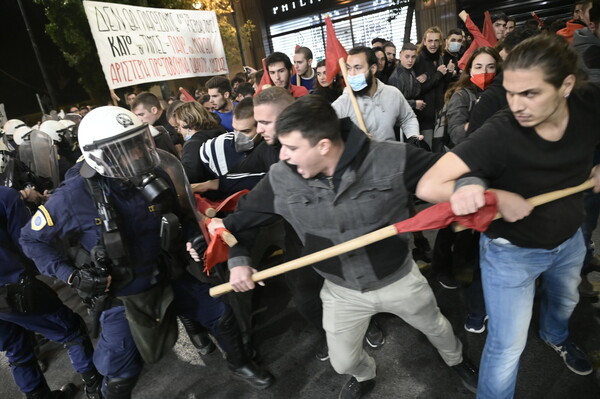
141	44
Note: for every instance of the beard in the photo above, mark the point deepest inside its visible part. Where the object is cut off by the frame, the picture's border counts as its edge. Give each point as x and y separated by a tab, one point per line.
370	80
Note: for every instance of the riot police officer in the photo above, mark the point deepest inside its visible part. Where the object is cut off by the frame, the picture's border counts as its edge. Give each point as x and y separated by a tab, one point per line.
123	209
28	304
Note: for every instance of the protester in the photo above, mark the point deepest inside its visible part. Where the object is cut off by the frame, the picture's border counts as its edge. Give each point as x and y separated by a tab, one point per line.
147	107
542	142
328	90
499	20
279	68
316	157
197	126
303	59
221	97
404	78
433	75
382	106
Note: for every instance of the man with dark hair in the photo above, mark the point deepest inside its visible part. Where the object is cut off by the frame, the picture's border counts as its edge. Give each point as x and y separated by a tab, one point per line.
390	54
279	68
303	59
327	171
147	107
499	20
236	81
581	19
382	106
221	154
244	90
453	50
219	90
378	42
511	24
404	78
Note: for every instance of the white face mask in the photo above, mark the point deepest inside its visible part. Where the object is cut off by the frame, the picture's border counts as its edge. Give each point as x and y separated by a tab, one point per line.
454	47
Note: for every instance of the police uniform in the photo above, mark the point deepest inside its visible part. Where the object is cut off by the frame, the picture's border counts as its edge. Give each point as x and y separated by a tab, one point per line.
52	319
72	212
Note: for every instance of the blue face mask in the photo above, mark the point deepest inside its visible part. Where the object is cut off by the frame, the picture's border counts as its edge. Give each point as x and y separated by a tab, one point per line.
187	137
454	47
357	82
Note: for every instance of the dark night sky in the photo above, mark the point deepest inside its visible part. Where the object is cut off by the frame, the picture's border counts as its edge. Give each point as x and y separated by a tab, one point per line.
17	59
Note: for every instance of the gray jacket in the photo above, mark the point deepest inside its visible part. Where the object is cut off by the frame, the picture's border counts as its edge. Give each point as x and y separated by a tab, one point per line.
386	109
459	111
370	191
587	46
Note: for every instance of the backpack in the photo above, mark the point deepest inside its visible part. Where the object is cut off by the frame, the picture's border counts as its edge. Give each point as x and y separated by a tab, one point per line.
442	141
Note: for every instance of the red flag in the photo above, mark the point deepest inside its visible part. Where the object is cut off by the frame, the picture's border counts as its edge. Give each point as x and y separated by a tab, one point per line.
441	215
488	29
188	96
479	40
218	250
333	51
266	79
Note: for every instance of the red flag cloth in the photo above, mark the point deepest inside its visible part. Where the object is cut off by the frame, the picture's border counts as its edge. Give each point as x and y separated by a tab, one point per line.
266	78
479	40
333	51
188	96
226	205
488	29
217	251
441	215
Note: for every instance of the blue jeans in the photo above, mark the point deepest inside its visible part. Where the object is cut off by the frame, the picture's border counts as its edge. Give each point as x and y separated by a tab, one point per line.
508	274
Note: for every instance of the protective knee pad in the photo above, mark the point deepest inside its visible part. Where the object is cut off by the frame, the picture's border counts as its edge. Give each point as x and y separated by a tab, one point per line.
120	388
83	338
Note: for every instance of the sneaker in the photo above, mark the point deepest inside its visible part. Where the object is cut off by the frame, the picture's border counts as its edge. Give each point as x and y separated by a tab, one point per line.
475	324
323	351
354	389
586	289
573	357
468	374
447	281
374	335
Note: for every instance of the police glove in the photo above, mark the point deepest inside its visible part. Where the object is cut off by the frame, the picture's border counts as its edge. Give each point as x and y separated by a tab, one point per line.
89	283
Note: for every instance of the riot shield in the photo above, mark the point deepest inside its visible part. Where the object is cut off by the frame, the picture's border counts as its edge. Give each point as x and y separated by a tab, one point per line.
6	162
173	167
26	154
45	156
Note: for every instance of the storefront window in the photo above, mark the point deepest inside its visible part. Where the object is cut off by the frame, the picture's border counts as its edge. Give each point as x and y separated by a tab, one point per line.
354	25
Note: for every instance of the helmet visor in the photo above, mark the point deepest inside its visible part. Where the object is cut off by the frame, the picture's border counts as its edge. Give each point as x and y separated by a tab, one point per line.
131	154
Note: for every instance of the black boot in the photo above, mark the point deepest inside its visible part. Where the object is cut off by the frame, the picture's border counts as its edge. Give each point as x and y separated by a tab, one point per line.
92	381
230	339
68	391
198	336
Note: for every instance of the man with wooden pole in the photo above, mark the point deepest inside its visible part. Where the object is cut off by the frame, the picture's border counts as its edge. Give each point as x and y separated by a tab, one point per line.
335	184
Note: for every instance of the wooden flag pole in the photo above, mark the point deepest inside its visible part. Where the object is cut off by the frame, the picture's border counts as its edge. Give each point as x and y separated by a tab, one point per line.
545	198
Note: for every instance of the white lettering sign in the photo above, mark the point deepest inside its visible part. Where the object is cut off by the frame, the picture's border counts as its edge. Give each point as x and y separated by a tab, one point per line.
292	5
141	45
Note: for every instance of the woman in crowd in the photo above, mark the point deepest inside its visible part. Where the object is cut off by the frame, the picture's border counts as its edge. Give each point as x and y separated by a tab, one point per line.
328	90
196	125
451	247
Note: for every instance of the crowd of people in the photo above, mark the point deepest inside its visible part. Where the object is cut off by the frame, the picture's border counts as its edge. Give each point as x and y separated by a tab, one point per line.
111	191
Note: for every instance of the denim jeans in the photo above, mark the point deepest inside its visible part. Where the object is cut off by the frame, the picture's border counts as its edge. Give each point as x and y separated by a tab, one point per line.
509	273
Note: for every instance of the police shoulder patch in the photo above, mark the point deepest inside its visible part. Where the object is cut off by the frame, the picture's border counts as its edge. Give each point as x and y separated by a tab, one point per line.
40	219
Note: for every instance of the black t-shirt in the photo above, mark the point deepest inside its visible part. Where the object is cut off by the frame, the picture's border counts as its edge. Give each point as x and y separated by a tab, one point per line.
518	160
